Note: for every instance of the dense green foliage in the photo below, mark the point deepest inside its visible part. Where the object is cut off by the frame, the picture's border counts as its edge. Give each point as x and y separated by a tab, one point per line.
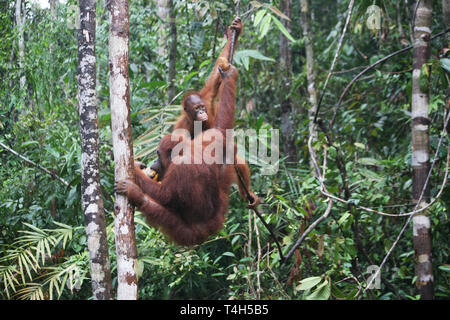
43	251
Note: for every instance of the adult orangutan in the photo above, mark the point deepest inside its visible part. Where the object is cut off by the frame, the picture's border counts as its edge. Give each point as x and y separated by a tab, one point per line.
201	106
191	201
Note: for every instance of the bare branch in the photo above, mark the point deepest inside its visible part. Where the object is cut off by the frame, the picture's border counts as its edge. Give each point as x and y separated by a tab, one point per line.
331	197
417	205
326	193
327	211
350	84
308	231
341	40
54	175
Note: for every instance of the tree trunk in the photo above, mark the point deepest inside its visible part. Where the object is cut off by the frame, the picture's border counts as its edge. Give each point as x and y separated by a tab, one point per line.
399	24
162	11
310	73
90	173
52	4
420	150
446	40
53	12
287	126
20	21
446	14
123	150
172	51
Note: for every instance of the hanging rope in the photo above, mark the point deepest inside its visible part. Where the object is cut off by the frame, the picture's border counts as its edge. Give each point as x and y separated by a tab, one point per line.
236	168
250	200
233	37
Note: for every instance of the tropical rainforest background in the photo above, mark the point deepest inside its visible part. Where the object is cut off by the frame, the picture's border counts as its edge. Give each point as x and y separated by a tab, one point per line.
284	57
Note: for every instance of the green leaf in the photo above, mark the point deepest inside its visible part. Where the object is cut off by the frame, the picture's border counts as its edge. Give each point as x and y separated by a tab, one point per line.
133	67
29	143
189	76
445	267
140	267
343	218
258	17
151	85
229	254
242	57
369	161
308	283
321	293
235	238
446	64
369	174
255	54
204	63
217	274
283	29
264	26
231	276
407	184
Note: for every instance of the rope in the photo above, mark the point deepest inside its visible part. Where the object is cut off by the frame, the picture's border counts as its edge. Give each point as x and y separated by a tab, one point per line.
233	37
250	200
236	168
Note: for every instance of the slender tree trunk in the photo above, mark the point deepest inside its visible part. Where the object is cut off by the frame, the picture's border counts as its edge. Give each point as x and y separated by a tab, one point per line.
20	21
409	8
37	165
52	4
123	149
446	44
172	51
310	73
446	14
90	172
420	150
287	126
399	23
446	38
162	11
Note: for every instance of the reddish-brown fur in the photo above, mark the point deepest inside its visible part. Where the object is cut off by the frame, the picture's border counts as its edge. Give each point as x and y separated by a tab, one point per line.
209	94
191	201
209	91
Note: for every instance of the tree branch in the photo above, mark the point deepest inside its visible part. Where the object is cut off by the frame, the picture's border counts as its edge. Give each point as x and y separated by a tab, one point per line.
341	40
327	211
54	175
371	67
417	205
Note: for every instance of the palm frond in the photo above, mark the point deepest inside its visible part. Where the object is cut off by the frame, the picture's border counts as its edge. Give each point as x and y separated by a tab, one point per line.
32	291
161	119
7	275
28	255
